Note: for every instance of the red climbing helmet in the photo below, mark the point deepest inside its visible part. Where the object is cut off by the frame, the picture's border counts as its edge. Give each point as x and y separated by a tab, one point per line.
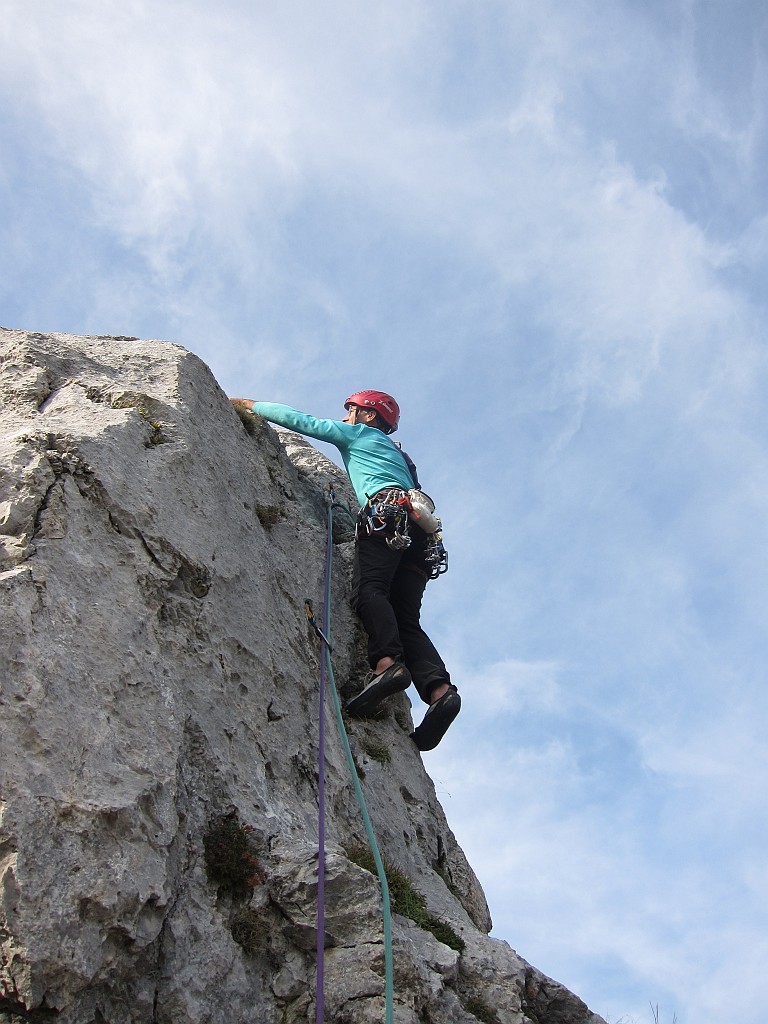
379	402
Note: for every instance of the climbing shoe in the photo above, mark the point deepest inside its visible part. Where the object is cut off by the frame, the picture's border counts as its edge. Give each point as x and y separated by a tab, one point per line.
437	720
391	680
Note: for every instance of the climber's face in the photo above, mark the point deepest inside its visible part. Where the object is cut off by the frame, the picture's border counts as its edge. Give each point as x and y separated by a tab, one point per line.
357	415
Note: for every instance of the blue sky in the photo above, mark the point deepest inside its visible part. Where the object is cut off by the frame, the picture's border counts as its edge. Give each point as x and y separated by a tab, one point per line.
543	227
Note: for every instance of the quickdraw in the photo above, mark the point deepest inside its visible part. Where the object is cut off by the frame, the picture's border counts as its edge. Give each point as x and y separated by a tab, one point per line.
435	555
386	516
312	620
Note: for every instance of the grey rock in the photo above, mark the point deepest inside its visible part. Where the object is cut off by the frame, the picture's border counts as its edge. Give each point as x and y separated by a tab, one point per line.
159	682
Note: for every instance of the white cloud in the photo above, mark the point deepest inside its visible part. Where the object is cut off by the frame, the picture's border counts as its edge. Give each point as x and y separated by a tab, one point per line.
591	869
514	686
207	145
542	227
161	130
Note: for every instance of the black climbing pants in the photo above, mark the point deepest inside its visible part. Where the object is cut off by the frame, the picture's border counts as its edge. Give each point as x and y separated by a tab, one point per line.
387	589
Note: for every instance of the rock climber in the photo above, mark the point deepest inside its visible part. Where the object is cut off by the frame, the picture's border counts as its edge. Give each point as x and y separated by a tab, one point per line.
394	556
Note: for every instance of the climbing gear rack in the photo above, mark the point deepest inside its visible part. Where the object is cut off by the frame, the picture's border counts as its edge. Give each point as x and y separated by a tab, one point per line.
386	516
435	555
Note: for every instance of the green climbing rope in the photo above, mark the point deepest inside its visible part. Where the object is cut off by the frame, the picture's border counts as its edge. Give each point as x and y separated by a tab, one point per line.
387	912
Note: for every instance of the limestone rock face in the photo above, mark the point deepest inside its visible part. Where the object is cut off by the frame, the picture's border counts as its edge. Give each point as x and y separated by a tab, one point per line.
159	708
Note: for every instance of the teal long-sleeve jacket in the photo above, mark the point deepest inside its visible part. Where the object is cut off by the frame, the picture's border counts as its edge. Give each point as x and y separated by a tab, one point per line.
372	460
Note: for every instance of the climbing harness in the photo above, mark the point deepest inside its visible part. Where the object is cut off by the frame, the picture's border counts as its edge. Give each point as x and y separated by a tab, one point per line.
325	663
385	515
388	515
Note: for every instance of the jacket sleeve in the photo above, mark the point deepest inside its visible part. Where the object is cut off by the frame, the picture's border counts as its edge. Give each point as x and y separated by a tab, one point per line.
333	431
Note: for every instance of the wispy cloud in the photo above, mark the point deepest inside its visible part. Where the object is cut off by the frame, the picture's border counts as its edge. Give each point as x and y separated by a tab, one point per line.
543	228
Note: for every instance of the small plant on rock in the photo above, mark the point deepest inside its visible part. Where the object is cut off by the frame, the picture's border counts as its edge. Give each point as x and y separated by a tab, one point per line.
480	1010
248	930
250	420
157	436
269	515
406	900
230	859
377	751
655	1014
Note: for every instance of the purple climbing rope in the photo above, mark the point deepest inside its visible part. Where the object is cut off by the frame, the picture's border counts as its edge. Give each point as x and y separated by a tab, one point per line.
320	982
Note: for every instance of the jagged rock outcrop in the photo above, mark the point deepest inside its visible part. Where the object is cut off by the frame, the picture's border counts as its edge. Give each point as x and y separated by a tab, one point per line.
158	712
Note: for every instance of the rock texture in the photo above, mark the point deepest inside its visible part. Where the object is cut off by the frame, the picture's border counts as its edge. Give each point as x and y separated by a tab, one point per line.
159	706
